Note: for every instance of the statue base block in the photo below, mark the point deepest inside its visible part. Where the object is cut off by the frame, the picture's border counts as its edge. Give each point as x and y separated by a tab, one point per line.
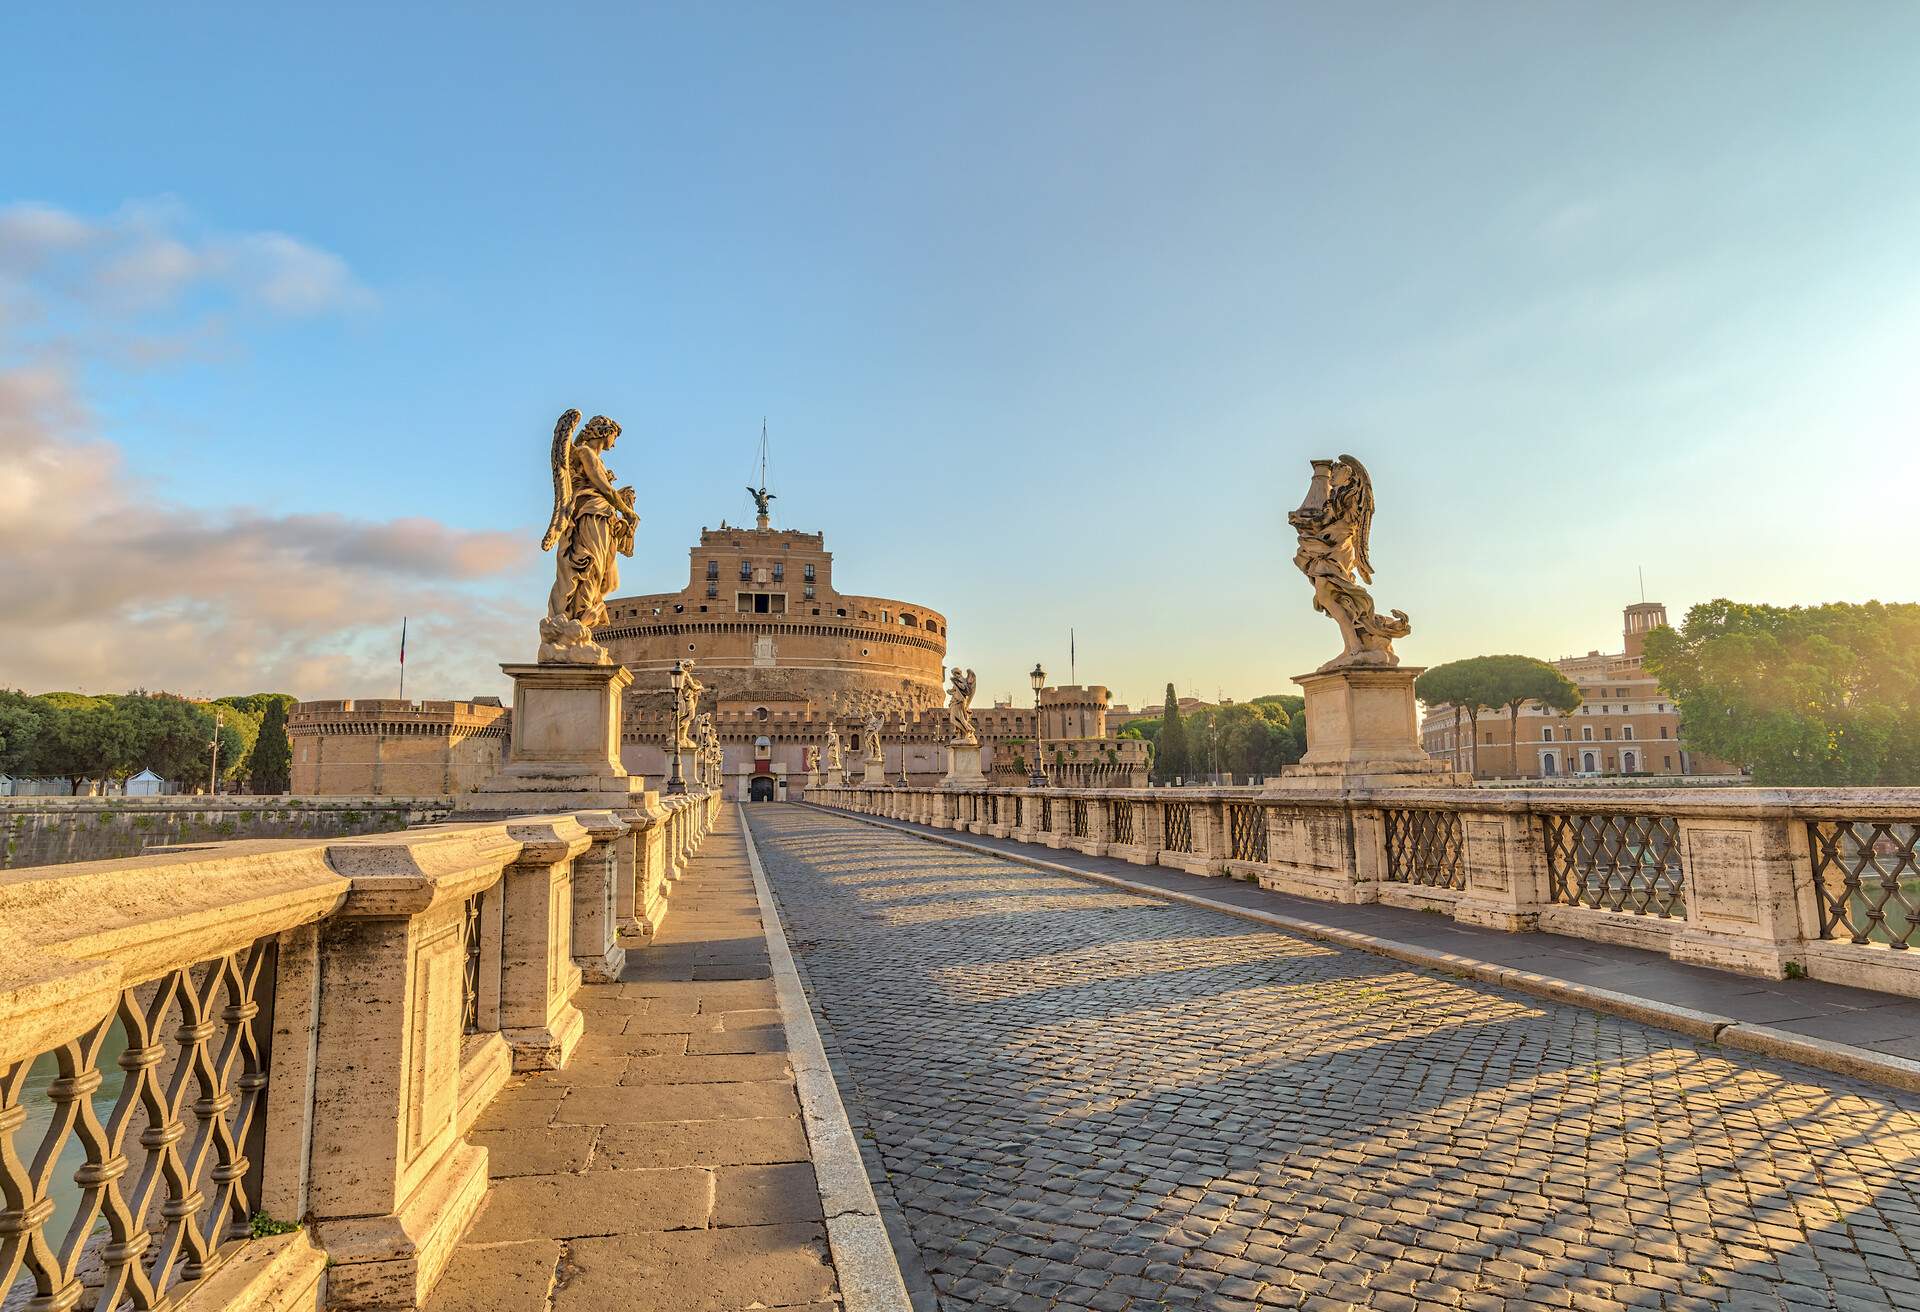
873	774
565	749
1362	732
963	767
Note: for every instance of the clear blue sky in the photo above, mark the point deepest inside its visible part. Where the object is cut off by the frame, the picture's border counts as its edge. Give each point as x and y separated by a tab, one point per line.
1048	306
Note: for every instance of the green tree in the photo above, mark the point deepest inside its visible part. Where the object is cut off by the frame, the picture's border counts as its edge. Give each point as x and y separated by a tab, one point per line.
1497	683
85	738
1467	686
1812	695
1170	761
270	763
23	728
1515	681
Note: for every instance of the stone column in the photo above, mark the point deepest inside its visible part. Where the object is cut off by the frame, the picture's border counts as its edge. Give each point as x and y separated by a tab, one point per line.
1506	870
598	874
393	1185
1743	912
539	977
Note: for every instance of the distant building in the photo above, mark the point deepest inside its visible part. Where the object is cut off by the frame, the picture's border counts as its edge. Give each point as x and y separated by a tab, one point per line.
1081	750
389	748
1119	717
1626	723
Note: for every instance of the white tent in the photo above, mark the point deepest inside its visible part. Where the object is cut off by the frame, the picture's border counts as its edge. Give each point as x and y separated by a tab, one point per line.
145	784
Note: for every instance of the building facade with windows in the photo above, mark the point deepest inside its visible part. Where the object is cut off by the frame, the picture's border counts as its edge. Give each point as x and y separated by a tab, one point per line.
781	651
1626	725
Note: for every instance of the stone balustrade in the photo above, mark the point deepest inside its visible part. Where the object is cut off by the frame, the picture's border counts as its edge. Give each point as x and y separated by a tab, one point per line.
195	1042
1821	882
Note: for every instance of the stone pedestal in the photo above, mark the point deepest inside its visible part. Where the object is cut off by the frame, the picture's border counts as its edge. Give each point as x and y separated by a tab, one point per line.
837	777
1363	732
565	756
565	750
963	766
873	772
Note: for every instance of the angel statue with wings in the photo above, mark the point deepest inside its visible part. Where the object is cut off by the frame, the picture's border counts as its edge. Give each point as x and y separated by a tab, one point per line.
592	525
959	718
1334	523
875	723
833	747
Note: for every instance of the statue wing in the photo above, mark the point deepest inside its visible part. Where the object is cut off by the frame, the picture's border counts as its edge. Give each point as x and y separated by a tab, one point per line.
1362	518
562	459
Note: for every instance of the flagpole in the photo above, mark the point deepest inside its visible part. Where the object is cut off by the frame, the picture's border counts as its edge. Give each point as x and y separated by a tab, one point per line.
403	658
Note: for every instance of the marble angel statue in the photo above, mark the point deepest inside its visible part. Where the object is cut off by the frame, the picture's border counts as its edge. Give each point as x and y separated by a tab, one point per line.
959	698
592	525
1333	524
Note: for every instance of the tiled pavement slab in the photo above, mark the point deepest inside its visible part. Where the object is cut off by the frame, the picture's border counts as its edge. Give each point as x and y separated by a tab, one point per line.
667	1167
1087	1099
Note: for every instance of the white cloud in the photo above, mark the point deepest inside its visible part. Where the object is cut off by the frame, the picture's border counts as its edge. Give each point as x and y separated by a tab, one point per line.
146	256
106	587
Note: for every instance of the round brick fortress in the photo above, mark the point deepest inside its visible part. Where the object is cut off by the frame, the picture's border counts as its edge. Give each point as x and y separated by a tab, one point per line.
773	642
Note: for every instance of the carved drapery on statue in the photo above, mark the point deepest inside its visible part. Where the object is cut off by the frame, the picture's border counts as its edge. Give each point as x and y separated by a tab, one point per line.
874	725
1334	523
707	744
592	526
690	690
833	748
959	717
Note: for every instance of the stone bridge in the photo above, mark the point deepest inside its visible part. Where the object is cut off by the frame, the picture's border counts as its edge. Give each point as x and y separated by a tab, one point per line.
980	1049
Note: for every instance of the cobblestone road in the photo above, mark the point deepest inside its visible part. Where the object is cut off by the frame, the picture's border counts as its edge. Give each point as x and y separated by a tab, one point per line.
1086	1099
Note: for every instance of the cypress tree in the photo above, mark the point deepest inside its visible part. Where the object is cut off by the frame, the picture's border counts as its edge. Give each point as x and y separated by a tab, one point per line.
1171	759
270	764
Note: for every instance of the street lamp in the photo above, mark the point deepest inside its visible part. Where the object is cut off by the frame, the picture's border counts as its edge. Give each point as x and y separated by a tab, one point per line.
903	750
676	680
1037	777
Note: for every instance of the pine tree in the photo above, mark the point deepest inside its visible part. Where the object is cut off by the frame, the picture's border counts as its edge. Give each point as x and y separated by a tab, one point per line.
1170	761
270	764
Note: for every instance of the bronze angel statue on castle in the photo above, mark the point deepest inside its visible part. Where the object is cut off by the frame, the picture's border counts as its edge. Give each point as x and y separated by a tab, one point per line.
1334	523
593	524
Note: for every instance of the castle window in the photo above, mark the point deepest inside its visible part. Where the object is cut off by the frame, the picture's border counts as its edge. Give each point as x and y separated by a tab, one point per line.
809	595
1609	734
743	602
1546	734
713	589
1663	731
806	572
746	569
779	571
713	569
1586	734
1627	732
842	612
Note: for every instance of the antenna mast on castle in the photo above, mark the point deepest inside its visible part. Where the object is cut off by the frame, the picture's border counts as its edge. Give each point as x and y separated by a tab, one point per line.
760	494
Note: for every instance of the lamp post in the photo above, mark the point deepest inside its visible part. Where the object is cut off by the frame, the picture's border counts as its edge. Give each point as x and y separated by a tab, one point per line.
903	750
676	680
1037	776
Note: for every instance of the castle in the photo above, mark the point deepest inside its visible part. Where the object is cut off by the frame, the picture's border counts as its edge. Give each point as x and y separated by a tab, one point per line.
781	653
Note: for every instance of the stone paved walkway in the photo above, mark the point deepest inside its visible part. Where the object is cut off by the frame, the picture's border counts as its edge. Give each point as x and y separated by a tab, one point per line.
1878	1022
1086	1099
667	1166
